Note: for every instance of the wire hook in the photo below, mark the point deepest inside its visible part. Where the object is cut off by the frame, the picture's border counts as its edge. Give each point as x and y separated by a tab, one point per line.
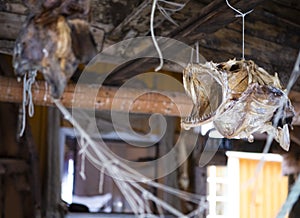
240	14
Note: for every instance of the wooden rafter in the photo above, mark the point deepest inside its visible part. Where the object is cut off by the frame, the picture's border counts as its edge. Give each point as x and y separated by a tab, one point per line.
153	101
106	99
207	20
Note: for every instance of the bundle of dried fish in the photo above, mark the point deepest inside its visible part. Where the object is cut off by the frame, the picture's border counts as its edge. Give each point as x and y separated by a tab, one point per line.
54	39
240	99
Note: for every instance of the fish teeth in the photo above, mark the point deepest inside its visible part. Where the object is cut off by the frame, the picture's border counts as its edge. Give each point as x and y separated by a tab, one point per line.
196	120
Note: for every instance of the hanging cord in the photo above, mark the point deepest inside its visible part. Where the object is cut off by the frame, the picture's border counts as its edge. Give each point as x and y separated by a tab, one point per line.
240	14
127	179
291	199
295	74
84	145
197	52
27	98
166	13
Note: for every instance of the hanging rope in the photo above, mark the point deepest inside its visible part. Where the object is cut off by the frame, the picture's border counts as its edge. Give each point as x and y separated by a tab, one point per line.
291	199
127	179
166	13
154	38
27	98
240	14
197	52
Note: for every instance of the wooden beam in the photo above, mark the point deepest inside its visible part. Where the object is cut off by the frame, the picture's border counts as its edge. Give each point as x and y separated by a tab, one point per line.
137	22
152	102
209	19
11	25
7	46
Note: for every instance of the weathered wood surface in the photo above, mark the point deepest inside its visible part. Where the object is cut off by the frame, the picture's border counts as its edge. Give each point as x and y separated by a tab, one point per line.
272	30
151	102
53	188
154	101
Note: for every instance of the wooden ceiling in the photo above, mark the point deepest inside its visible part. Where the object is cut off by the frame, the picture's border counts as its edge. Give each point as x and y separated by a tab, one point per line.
272	30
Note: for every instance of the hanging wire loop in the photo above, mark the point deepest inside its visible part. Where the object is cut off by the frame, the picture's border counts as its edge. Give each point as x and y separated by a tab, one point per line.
241	14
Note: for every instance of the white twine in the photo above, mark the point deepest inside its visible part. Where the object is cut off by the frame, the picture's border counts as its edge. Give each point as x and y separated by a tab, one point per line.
197	52
240	14
27	98
160	211
126	178
192	56
82	167
101	180
82	152
166	13
102	171
154	38
295	74
291	199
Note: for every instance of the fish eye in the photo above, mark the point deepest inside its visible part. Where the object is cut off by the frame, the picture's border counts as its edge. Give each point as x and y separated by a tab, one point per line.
276	92
234	67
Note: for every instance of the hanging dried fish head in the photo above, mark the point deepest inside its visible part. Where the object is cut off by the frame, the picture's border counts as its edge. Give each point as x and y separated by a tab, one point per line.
206	86
50	41
47	49
240	98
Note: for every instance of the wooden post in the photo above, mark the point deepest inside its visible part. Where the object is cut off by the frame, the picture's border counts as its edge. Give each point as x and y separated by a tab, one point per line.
166	144
53	188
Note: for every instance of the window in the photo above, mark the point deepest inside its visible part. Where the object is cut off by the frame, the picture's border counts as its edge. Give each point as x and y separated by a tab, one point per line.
217	191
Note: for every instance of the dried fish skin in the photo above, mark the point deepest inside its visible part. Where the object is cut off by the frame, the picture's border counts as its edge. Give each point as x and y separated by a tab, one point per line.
206	87
251	113
250	100
47	49
54	39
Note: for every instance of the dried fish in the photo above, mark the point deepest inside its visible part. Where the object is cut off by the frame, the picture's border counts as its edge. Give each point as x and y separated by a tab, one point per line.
240	99
54	39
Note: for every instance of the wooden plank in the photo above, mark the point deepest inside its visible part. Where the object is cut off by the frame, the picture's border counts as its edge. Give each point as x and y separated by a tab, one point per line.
214	16
270	184
7	46
209	19
151	102
16	7
11	24
137	22
134	21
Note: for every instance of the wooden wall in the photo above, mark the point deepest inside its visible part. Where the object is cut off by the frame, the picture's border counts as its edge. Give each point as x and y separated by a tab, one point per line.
264	197
259	190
